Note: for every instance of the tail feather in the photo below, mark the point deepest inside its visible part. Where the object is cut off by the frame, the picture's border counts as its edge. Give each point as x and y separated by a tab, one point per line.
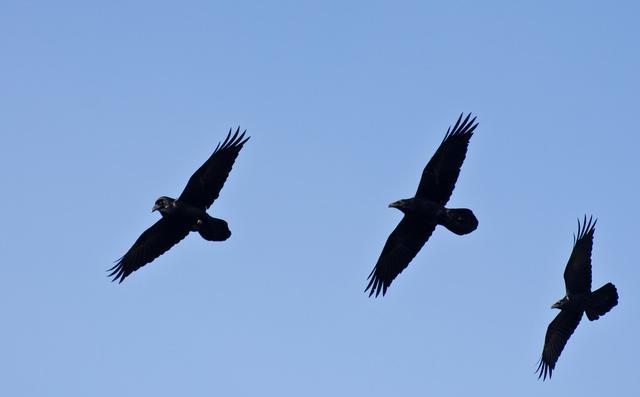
602	300
460	220
213	229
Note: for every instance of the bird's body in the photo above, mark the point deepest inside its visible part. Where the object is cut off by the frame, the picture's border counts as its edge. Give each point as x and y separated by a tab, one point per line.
573	302
187	213
579	299
426	210
195	218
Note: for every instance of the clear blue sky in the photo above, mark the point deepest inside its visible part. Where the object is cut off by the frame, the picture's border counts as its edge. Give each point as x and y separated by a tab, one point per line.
105	107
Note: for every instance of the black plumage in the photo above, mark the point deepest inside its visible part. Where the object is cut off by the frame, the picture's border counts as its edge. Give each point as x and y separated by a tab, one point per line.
187	213
579	299
426	210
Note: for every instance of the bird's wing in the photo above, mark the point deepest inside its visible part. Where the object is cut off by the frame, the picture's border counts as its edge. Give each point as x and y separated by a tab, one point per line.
577	274
558	334
205	184
441	173
401	247
154	242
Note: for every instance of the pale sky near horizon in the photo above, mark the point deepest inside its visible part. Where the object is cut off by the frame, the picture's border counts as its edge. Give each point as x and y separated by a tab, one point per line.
107	106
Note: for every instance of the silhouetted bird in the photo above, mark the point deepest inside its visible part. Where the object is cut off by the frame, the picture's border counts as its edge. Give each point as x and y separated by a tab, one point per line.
427	209
579	299
187	213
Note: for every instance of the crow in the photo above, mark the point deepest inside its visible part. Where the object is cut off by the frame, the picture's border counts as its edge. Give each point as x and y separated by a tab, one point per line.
427	209
579	299
187	213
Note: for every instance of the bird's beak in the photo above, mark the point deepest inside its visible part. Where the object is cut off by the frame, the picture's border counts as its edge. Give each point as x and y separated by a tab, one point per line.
155	208
557	305
395	204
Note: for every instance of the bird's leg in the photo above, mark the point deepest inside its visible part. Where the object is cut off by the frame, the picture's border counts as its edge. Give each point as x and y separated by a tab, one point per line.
196	226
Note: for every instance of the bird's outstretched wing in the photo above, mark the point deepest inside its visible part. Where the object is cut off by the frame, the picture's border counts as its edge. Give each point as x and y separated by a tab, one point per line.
577	274
205	184
558	334
154	242
401	247
441	173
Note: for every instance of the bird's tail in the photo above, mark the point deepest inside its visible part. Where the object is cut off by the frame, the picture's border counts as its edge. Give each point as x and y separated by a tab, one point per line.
602	300
460	220
213	229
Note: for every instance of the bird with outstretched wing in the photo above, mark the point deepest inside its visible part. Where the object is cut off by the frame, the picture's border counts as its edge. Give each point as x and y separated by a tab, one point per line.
187	213
426	210
579	299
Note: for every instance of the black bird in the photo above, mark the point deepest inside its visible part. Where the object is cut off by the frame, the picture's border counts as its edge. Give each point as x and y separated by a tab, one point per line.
187	213
579	299
427	209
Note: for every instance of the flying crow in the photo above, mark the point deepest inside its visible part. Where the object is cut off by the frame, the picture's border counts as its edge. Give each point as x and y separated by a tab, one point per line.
187	213
427	209
579	299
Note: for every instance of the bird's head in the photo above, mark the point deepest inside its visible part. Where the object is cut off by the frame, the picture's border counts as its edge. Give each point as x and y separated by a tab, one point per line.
403	205
561	303
163	204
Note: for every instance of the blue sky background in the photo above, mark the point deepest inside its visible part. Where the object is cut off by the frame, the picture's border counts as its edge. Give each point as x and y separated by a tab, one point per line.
107	106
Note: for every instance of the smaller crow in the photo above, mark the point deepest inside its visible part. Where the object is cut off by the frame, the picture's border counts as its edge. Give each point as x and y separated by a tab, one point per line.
187	213
579	299
427	209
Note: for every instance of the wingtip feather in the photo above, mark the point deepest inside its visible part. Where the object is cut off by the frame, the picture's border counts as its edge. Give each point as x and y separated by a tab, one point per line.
375	285
586	227
461	127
